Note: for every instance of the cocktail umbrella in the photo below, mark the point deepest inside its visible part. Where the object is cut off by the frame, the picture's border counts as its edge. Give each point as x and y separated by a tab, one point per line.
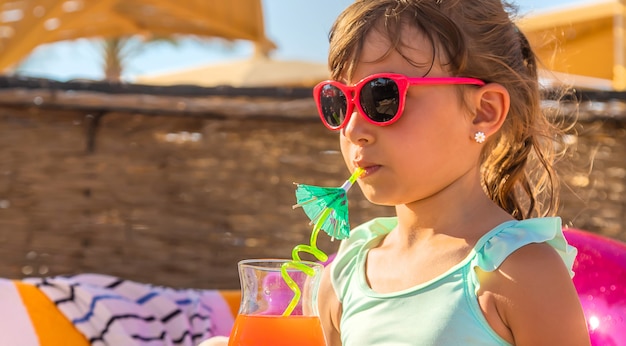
327	207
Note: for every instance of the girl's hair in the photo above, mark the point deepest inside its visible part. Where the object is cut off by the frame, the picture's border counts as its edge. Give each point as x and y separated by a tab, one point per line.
477	38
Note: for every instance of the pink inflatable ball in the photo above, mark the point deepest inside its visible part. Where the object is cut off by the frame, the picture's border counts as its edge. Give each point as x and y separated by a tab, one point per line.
600	280
331	257
278	295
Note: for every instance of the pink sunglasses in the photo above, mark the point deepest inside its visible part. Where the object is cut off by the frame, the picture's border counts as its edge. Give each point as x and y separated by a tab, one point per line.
379	97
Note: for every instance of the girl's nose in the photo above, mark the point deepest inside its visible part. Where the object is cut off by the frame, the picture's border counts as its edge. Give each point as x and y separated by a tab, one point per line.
358	130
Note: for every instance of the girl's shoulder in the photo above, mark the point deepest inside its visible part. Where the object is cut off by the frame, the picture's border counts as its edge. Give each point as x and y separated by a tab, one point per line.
344	264
369	230
529	265
364	233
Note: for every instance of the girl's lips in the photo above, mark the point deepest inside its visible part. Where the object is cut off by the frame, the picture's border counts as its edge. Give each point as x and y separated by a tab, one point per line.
369	170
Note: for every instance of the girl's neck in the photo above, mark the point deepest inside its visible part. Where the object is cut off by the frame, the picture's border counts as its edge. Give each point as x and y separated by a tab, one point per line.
467	214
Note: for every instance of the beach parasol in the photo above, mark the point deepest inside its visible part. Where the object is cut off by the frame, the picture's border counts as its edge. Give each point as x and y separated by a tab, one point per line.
27	24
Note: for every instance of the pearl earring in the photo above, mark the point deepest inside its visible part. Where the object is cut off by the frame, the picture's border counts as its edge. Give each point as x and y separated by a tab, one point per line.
480	137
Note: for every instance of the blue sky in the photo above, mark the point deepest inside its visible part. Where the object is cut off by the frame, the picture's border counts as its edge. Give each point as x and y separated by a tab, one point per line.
298	27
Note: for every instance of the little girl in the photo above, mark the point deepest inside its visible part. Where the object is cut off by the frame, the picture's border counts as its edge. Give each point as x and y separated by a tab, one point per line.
438	100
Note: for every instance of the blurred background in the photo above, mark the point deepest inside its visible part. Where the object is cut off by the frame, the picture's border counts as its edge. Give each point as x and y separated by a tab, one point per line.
159	140
298	28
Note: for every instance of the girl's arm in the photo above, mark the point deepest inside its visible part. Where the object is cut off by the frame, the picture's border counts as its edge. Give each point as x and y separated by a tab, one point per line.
330	310
537	300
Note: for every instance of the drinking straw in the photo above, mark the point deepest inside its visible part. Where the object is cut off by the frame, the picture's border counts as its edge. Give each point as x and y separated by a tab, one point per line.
327	207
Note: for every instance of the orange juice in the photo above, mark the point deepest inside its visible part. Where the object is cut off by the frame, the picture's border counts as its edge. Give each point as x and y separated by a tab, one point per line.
260	330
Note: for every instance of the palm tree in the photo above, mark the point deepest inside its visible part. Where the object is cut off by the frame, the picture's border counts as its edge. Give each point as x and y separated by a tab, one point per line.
116	51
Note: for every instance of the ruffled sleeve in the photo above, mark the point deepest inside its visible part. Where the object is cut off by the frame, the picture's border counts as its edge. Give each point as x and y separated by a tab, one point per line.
493	248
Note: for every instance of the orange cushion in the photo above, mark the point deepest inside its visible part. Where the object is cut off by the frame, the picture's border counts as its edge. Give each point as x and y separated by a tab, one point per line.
233	298
51	326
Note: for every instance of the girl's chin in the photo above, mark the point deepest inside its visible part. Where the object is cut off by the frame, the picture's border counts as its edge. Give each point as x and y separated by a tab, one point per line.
377	199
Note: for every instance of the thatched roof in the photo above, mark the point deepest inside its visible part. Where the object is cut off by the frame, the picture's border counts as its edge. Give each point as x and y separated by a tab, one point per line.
26	24
257	71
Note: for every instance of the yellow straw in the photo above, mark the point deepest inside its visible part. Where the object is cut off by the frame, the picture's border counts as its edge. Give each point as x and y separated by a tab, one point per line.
296	262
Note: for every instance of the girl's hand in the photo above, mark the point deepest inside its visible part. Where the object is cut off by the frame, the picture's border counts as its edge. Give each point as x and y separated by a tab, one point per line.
215	341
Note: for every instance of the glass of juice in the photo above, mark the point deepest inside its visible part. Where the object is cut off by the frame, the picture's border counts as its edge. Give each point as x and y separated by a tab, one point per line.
265	296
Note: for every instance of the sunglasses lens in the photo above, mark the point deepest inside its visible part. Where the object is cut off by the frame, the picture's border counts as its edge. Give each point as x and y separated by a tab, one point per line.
380	99
333	105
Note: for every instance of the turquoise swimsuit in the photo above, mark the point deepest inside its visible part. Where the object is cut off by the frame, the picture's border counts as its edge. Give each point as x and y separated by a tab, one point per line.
442	311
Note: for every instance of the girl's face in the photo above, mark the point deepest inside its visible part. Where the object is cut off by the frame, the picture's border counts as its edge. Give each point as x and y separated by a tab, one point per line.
430	148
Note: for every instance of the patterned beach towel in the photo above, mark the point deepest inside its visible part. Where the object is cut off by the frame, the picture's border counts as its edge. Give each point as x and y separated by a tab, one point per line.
108	310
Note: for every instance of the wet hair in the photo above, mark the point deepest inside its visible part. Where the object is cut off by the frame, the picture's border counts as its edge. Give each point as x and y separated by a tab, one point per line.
473	38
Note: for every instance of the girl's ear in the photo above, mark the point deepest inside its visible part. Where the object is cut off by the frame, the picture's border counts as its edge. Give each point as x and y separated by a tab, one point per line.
492	106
